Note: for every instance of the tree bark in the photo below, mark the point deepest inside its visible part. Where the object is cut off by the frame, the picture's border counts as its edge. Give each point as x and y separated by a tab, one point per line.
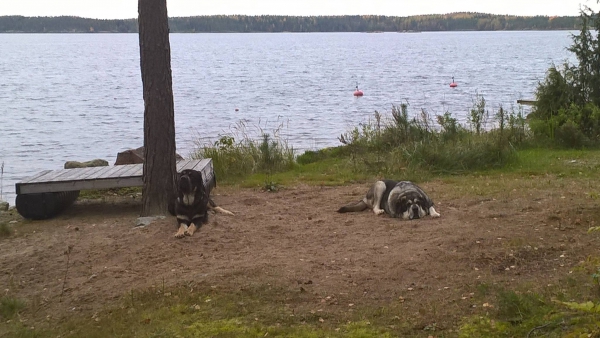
159	116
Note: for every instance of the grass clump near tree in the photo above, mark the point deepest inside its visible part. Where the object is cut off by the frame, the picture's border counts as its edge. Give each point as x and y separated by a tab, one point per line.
242	153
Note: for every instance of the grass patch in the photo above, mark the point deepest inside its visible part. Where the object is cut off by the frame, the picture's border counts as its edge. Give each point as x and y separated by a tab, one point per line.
5	230
103	193
258	311
537	311
10	306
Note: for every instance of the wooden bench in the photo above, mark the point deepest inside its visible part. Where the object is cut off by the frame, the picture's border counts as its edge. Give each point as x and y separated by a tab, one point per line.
49	192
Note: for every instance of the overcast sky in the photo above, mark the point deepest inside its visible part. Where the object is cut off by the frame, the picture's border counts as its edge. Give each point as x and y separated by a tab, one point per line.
120	9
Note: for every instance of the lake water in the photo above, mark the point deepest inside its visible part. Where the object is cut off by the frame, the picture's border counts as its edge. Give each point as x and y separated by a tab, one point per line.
79	96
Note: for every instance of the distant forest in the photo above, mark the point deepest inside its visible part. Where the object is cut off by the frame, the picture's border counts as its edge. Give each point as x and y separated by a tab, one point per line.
270	23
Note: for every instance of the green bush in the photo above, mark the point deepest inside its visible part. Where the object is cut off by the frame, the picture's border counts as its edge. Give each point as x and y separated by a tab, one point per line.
566	110
556	92
573	127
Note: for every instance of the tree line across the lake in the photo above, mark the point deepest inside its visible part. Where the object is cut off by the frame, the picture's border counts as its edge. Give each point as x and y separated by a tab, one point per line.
271	23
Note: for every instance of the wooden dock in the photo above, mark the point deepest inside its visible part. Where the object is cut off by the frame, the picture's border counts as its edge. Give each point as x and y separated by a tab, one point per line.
527	102
47	193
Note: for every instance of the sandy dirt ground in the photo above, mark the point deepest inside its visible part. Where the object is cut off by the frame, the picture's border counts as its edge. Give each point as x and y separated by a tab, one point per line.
295	239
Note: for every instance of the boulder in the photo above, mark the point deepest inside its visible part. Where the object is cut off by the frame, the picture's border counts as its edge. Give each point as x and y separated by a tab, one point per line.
93	163
3	206
135	156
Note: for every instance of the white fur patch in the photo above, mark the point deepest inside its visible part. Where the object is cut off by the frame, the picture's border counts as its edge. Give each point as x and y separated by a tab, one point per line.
433	213
378	211
188	199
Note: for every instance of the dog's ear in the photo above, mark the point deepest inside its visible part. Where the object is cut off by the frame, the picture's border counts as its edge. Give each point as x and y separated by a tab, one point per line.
198	177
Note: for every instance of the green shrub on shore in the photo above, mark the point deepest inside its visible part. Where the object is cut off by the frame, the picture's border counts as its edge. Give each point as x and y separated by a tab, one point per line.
567	110
418	144
239	154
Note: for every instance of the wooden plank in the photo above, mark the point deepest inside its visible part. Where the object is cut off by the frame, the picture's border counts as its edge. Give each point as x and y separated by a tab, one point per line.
201	164
34	177
131	169
99	173
54	174
139	171
129	175
114	172
74	173
82	185
185	164
90	173
527	102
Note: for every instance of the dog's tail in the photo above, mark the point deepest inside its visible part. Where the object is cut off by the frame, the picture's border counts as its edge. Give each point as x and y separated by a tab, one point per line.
212	205
359	206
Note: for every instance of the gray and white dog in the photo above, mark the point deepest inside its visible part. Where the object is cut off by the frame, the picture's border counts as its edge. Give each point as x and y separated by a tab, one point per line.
399	199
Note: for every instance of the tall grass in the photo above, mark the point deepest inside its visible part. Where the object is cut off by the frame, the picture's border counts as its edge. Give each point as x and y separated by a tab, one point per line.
245	151
412	146
402	143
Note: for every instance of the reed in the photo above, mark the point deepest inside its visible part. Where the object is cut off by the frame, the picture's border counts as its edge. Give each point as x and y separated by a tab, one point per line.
248	150
401	143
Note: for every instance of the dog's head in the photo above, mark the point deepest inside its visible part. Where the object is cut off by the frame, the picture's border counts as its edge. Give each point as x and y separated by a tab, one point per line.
189	181
411	206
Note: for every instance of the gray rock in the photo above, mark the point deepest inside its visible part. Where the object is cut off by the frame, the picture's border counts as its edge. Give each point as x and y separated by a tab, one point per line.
145	221
3	206
135	156
93	163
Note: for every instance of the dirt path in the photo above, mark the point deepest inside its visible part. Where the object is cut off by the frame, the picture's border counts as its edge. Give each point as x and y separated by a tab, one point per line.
295	239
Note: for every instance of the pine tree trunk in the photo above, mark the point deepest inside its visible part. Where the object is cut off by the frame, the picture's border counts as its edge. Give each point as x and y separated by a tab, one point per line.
159	120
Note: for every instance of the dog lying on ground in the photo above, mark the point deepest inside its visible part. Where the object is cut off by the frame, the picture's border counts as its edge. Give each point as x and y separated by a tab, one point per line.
193	203
402	199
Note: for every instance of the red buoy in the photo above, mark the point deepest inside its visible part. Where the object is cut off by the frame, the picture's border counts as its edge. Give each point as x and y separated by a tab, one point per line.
358	92
453	84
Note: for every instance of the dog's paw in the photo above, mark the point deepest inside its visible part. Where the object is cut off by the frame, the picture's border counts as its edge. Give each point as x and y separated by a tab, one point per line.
181	232
434	213
378	211
190	230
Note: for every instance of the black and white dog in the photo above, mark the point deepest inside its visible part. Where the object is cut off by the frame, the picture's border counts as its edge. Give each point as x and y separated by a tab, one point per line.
402	199
193	203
